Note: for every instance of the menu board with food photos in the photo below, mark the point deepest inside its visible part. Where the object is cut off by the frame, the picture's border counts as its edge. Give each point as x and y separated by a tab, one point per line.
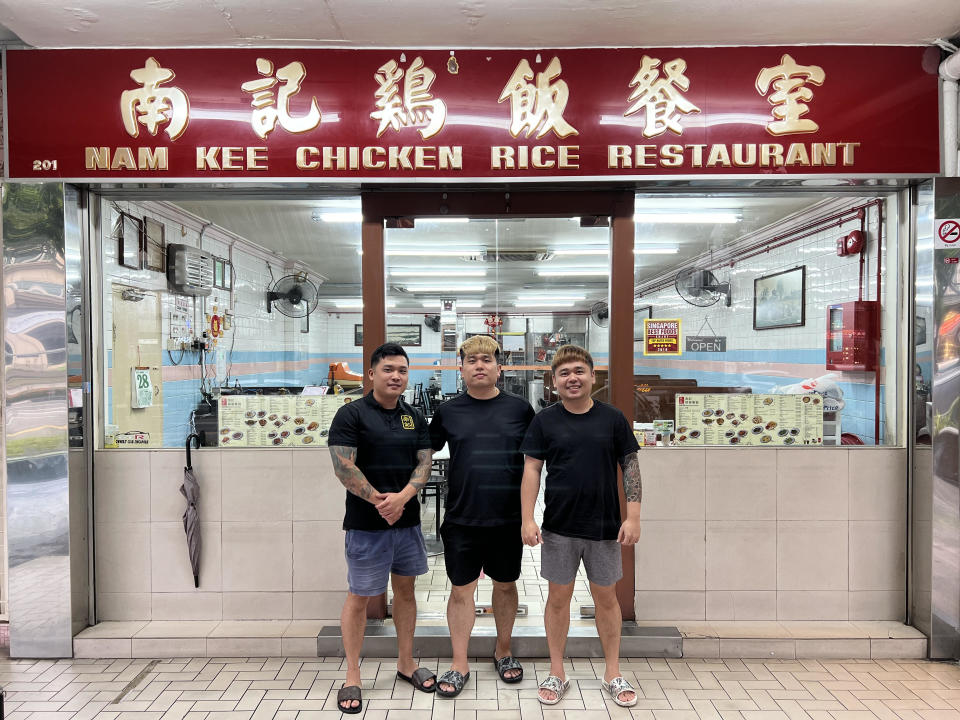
740	419
277	420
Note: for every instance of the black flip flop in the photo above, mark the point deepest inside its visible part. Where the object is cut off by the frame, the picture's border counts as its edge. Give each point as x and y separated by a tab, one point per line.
452	677
508	662
418	678
347	693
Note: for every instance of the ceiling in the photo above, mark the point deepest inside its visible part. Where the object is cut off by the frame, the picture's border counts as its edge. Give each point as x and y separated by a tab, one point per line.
475	23
424	263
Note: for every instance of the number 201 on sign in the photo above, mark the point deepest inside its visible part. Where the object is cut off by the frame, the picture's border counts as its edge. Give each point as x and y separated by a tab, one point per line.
39	165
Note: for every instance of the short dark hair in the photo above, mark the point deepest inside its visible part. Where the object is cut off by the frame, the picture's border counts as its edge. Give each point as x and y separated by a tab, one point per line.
388	350
570	353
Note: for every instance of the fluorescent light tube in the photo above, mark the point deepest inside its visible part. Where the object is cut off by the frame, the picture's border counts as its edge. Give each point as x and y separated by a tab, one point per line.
586	272
432	252
705	217
351	302
581	251
546	303
654	250
335	217
460	304
451	272
525	297
462	287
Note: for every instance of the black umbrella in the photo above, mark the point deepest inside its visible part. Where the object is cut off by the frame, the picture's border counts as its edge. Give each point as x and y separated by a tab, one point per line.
191	518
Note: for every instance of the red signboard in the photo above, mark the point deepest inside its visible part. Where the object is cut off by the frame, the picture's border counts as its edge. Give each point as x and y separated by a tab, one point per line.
395	115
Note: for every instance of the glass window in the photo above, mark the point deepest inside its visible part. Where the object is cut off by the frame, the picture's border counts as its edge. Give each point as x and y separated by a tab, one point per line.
745	303
243	320
533	284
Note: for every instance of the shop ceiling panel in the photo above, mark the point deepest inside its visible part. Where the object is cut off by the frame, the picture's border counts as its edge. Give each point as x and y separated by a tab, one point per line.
476	23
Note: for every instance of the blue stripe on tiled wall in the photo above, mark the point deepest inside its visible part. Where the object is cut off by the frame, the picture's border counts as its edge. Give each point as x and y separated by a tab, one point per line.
182	396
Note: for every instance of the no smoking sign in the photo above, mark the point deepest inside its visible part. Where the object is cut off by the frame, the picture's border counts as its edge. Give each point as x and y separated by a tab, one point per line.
947	234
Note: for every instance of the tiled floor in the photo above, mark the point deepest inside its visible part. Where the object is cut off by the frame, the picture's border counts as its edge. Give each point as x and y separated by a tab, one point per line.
433	588
305	689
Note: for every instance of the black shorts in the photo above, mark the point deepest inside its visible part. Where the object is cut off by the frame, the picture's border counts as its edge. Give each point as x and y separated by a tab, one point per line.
467	549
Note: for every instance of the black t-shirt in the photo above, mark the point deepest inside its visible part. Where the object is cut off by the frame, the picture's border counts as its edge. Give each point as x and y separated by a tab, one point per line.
581	496
387	442
486	465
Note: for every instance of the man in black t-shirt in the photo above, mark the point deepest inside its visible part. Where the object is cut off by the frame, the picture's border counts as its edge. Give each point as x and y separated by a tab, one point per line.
381	453
582	441
481	529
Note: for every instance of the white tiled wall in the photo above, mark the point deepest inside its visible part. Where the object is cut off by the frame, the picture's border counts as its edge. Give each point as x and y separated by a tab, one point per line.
728	534
272	547
762	534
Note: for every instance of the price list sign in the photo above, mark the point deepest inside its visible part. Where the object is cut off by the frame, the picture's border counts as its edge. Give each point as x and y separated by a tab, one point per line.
747	419
276	420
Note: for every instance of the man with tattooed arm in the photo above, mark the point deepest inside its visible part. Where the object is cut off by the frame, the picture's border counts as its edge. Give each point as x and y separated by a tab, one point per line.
582	441
381	453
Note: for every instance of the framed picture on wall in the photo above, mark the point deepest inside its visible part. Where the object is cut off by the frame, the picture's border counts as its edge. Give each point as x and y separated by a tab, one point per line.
646	311
779	300
128	231
406	335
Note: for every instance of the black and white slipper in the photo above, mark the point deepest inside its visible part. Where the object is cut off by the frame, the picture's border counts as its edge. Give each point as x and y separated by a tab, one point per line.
452	677
506	663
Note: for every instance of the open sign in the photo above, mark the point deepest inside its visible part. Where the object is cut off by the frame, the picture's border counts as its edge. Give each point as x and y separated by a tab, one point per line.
706	343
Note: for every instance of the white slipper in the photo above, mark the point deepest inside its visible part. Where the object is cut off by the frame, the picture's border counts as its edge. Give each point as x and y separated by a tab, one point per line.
555	685
617	687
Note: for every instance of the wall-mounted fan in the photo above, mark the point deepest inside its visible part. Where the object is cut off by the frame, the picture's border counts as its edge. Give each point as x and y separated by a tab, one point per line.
701	287
432	322
293	295
600	313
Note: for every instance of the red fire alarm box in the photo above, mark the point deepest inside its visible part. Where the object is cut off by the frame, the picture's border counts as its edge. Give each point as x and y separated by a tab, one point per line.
853	335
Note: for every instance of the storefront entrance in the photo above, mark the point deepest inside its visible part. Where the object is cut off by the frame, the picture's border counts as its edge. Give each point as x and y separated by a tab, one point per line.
535	270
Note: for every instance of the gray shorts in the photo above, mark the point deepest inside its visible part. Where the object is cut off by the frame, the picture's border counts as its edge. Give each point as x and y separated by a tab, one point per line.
560	559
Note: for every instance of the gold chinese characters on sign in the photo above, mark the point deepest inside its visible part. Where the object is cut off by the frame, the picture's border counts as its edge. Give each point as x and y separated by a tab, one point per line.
660	97
537	107
789	81
268	111
152	105
417	107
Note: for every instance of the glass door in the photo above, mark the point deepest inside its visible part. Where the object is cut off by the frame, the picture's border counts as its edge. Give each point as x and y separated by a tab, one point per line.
533	285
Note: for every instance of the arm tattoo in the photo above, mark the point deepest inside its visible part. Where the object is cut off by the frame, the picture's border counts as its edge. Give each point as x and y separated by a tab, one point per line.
421	473
632	486
348	473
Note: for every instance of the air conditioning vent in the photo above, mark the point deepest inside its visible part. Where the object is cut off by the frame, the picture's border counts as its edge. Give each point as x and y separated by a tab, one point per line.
491	256
189	270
